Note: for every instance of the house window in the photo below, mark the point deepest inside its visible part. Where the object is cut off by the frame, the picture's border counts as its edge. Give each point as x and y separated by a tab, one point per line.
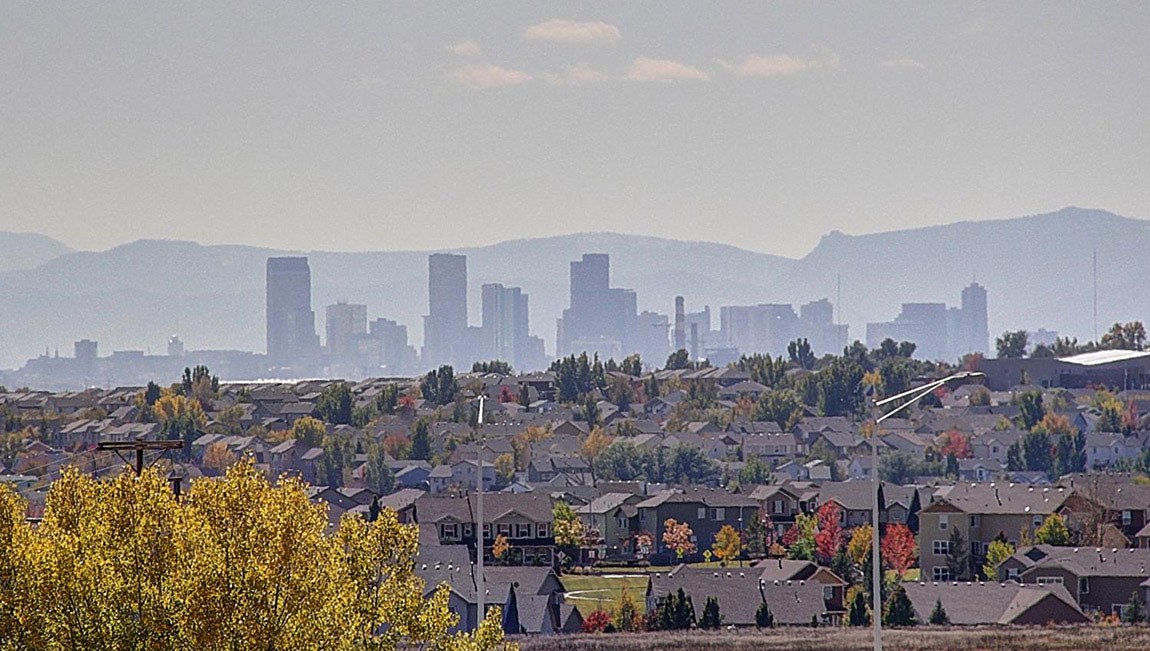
1118	609
522	530
974	520
503	530
777	507
828	593
1083	585
701	513
1126	517
941	573
1012	573
467	530
943	522
1050	580
544	529
487	531
1038	521
450	531
941	547
718	514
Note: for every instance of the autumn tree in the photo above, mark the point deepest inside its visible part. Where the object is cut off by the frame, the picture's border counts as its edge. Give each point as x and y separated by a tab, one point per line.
218	457
953	442
592	446
1053	531
309	432
728	544
505	468
179	418
998	551
800	539
568	528
859	547
677	538
829	539
899	550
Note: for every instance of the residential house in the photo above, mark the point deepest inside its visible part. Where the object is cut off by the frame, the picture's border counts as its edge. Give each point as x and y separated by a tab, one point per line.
1098	579
612	516
990	604
740	591
525	519
980	513
706	510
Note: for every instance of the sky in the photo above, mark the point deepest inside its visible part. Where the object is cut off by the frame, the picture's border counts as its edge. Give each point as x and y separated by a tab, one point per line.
424	125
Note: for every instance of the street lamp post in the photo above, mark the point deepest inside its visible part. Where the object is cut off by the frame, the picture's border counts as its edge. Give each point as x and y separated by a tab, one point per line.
912	396
482	598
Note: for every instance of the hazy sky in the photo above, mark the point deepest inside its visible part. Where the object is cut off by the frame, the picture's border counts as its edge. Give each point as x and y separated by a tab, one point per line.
389	125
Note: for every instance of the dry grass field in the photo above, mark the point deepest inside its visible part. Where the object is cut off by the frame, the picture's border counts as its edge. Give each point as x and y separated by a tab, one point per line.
1084	638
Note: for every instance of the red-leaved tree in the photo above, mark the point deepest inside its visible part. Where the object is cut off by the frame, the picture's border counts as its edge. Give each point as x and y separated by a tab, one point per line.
899	549
829	539
677	537
954	442
597	622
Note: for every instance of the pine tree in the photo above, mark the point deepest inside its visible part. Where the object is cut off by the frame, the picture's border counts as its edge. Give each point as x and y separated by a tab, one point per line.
857	613
1135	610
899	611
421	440
711	617
684	611
763	616
938	616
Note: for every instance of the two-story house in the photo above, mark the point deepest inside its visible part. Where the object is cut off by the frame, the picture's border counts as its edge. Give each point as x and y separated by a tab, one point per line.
1099	579
614	517
980	513
706	510
524	519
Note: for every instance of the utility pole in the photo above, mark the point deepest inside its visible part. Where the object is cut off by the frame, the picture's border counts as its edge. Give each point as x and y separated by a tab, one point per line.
482	598
139	447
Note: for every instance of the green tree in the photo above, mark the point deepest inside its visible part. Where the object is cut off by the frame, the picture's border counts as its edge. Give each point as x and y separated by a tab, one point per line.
678	360
421	440
1012	345
998	551
338	453
781	406
938	616
632	365
801	354
335	404
764	369
494	366
377	475
1030	408
958	556
1135	610
308	432
837	389
858	613
800	539
711	619
763	616
754	472
1014	460
1036	451
898	610
439	385
1128	336
1053	531
388	399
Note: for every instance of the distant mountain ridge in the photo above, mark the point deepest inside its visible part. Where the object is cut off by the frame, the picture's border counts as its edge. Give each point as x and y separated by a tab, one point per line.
28	250
1037	270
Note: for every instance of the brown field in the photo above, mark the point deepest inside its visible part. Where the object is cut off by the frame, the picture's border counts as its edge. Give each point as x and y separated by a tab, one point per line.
1105	638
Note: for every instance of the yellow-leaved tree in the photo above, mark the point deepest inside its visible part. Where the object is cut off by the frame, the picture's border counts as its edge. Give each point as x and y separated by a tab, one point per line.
238	563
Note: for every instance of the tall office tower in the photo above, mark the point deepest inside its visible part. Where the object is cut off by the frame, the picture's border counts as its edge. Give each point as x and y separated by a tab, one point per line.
765	328
389	349
816	324
346	326
291	337
601	319
976	328
445	326
680	324
651	339
505	324
928	325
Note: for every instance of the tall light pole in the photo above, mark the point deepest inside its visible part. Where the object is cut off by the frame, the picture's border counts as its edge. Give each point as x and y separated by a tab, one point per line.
482	600
912	396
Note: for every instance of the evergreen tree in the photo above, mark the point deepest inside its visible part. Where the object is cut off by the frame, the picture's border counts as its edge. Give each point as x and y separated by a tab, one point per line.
857	611
373	510
421	440
763	616
899	611
912	512
958	558
952	466
938	616
684	611
1014	461
1135	610
711	618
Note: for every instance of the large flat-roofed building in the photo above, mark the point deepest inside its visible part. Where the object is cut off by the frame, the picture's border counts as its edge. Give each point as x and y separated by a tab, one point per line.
1116	369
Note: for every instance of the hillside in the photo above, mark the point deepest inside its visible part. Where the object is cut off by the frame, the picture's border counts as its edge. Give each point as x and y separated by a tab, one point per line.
1037	270
28	250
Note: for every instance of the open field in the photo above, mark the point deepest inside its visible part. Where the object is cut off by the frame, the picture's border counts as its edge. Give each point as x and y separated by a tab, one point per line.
1108	638
587	593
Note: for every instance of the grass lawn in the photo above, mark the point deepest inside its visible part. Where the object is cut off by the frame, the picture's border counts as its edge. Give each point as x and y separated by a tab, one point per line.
588	593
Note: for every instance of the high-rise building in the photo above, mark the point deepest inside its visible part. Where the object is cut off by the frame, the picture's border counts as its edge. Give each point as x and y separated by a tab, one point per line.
939	332
651	338
445	326
505	324
346	325
601	319
770	327
291	337
680	324
389	349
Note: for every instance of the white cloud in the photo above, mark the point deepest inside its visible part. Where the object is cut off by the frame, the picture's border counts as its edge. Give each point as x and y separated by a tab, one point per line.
467	48
576	75
646	69
901	63
777	65
558	30
487	75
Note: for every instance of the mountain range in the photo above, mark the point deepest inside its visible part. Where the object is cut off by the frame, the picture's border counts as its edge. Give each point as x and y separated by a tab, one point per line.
1038	271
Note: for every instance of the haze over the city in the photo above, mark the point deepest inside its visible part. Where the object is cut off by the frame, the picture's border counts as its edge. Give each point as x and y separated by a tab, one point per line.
441	125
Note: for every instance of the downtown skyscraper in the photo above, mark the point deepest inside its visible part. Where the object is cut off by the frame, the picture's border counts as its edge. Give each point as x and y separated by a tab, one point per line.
445	326
291	337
